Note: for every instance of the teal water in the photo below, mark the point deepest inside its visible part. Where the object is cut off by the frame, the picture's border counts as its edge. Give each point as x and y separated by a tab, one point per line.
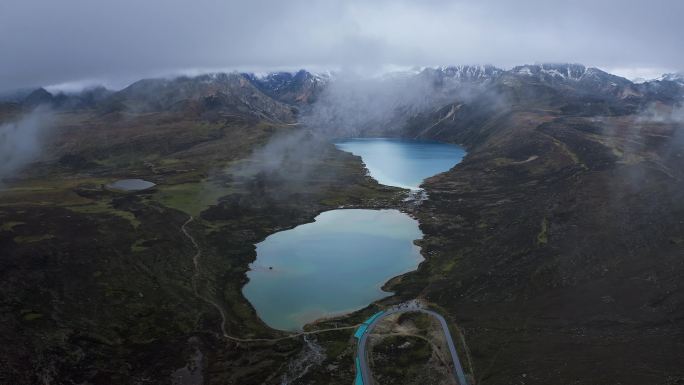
331	266
338	263
401	162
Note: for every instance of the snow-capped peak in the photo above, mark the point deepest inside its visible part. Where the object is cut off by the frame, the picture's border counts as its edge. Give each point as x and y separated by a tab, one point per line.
553	71
672	77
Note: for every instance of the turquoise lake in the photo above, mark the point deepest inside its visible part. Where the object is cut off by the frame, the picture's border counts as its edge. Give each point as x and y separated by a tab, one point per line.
338	263
402	162
331	266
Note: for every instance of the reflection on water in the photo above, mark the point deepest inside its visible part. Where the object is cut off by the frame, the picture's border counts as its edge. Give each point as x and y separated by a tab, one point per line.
403	163
331	266
338	263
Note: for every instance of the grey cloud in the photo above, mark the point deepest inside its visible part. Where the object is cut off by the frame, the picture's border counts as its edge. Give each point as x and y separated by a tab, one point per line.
662	114
354	103
21	141
51	42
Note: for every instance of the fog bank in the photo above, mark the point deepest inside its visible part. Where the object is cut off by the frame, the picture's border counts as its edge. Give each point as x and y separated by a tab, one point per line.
21	141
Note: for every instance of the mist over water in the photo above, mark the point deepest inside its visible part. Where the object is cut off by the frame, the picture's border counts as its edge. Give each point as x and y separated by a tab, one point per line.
339	263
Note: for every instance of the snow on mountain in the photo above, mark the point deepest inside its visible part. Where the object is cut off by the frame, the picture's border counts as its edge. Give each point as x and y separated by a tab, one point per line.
574	72
673	77
463	73
290	87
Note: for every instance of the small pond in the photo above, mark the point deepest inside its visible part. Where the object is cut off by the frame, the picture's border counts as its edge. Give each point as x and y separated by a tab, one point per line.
130	185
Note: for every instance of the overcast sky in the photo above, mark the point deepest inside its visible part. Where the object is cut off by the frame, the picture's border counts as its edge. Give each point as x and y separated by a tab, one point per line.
48	42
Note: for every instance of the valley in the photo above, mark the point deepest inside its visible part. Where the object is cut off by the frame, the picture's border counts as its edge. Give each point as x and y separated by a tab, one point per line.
553	249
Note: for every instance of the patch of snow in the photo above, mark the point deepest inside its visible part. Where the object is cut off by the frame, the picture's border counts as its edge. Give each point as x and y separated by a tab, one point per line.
525	71
673	77
554	73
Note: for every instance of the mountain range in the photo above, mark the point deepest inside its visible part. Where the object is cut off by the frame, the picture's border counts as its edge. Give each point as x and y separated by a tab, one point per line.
303	87
554	249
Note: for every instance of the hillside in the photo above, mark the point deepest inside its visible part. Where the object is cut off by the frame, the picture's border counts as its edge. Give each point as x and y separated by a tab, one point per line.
556	246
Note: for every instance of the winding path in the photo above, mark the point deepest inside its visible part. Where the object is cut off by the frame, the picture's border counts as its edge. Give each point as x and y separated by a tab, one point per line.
363	330
195	261
364	376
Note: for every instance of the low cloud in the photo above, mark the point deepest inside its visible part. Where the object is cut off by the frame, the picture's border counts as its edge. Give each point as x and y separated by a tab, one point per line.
662	114
352	104
55	42
21	142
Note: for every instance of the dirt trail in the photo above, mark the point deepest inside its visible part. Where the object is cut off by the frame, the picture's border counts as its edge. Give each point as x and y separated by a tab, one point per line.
195	261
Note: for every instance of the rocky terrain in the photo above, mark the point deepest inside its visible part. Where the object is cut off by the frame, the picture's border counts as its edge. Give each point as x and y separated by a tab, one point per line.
410	348
99	286
556	247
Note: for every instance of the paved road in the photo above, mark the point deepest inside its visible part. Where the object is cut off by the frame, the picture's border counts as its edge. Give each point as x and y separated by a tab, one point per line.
362	354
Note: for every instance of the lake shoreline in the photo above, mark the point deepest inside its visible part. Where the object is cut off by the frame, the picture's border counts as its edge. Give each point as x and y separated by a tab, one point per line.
406	207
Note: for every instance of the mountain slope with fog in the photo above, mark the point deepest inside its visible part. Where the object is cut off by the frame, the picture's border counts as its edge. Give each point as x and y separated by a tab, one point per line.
555	247
301	87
